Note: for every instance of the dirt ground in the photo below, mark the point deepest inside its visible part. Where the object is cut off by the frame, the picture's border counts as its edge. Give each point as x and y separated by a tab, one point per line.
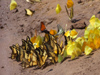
15	25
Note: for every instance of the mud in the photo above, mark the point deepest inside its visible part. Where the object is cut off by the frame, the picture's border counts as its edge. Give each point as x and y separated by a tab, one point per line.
15	25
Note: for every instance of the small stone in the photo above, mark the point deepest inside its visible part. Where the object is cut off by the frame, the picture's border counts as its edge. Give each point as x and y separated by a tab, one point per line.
15	11
22	25
78	25
79	1
50	70
98	12
1	27
2	67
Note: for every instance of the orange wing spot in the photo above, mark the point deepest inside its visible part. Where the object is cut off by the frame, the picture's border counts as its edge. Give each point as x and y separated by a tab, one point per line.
42	26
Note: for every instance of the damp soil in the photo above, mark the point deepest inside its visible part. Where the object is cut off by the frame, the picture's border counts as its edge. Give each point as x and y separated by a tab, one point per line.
15	25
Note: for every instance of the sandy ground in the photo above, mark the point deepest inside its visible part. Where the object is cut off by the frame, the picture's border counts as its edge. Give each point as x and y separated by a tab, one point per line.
14	26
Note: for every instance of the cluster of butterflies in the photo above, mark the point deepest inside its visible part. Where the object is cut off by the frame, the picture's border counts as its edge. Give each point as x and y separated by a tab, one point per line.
41	52
46	53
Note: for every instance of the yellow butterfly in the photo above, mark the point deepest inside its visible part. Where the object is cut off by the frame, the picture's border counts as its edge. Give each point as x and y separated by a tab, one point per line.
13	4
29	12
58	9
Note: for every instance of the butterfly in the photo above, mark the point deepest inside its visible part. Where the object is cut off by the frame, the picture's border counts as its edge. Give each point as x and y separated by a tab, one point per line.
29	12
14	52
43	28
13	4
17	52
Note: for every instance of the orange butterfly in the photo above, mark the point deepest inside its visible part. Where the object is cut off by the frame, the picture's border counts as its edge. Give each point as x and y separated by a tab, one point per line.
42	26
